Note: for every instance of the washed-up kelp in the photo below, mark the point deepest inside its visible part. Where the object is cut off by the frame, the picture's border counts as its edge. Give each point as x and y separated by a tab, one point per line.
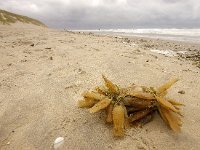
135	104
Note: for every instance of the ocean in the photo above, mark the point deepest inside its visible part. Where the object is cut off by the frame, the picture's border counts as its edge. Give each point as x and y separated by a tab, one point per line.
190	35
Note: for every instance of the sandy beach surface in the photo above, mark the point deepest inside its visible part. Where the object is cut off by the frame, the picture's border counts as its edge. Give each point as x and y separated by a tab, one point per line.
44	71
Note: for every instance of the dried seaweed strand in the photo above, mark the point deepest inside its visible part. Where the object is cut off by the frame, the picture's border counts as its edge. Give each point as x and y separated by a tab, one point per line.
132	105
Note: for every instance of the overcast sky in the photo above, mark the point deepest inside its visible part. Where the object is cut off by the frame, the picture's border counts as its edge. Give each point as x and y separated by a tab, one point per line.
94	14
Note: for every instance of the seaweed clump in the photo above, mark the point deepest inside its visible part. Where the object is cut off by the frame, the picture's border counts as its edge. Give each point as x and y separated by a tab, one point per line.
134	105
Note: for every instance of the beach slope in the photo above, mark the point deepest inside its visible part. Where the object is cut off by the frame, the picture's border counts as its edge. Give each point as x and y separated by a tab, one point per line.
43	73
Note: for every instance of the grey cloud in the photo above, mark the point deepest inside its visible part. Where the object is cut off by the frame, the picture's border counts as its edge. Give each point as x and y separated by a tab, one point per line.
93	14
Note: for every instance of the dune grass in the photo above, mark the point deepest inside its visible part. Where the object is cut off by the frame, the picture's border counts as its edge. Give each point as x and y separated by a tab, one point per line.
9	18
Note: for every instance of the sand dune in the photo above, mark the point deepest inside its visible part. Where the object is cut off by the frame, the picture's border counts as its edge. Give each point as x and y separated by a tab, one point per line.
44	71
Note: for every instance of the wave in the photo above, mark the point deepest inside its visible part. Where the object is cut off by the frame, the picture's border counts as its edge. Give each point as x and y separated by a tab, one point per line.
183	32
192	35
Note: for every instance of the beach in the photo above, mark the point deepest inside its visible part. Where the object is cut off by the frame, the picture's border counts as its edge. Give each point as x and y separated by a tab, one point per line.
44	71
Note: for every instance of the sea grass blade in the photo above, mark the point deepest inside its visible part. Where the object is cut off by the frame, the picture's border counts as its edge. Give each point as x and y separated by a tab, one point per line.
111	86
100	105
173	120
173	102
109	117
166	104
118	120
166	86
138	115
93	95
87	102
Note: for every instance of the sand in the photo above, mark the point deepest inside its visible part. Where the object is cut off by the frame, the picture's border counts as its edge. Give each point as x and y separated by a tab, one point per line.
44	71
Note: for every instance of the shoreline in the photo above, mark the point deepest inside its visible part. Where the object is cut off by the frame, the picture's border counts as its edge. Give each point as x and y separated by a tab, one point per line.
184	37
185	50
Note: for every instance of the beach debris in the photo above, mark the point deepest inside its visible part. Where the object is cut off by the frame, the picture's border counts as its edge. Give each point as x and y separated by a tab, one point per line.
58	142
193	56
32	45
126	40
181	92
133	105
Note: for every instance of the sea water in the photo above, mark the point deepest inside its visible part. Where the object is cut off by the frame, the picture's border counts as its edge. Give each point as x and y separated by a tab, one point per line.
190	35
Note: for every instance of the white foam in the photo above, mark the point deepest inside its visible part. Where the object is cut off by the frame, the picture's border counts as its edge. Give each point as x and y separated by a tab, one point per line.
192	35
169	53
181	32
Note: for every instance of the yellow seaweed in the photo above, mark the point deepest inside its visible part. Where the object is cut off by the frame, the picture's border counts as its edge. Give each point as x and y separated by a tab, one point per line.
86	103
173	102
101	90
93	95
111	87
166	104
133	105
143	95
166	86
173	120
109	110
118	120
138	115
100	105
